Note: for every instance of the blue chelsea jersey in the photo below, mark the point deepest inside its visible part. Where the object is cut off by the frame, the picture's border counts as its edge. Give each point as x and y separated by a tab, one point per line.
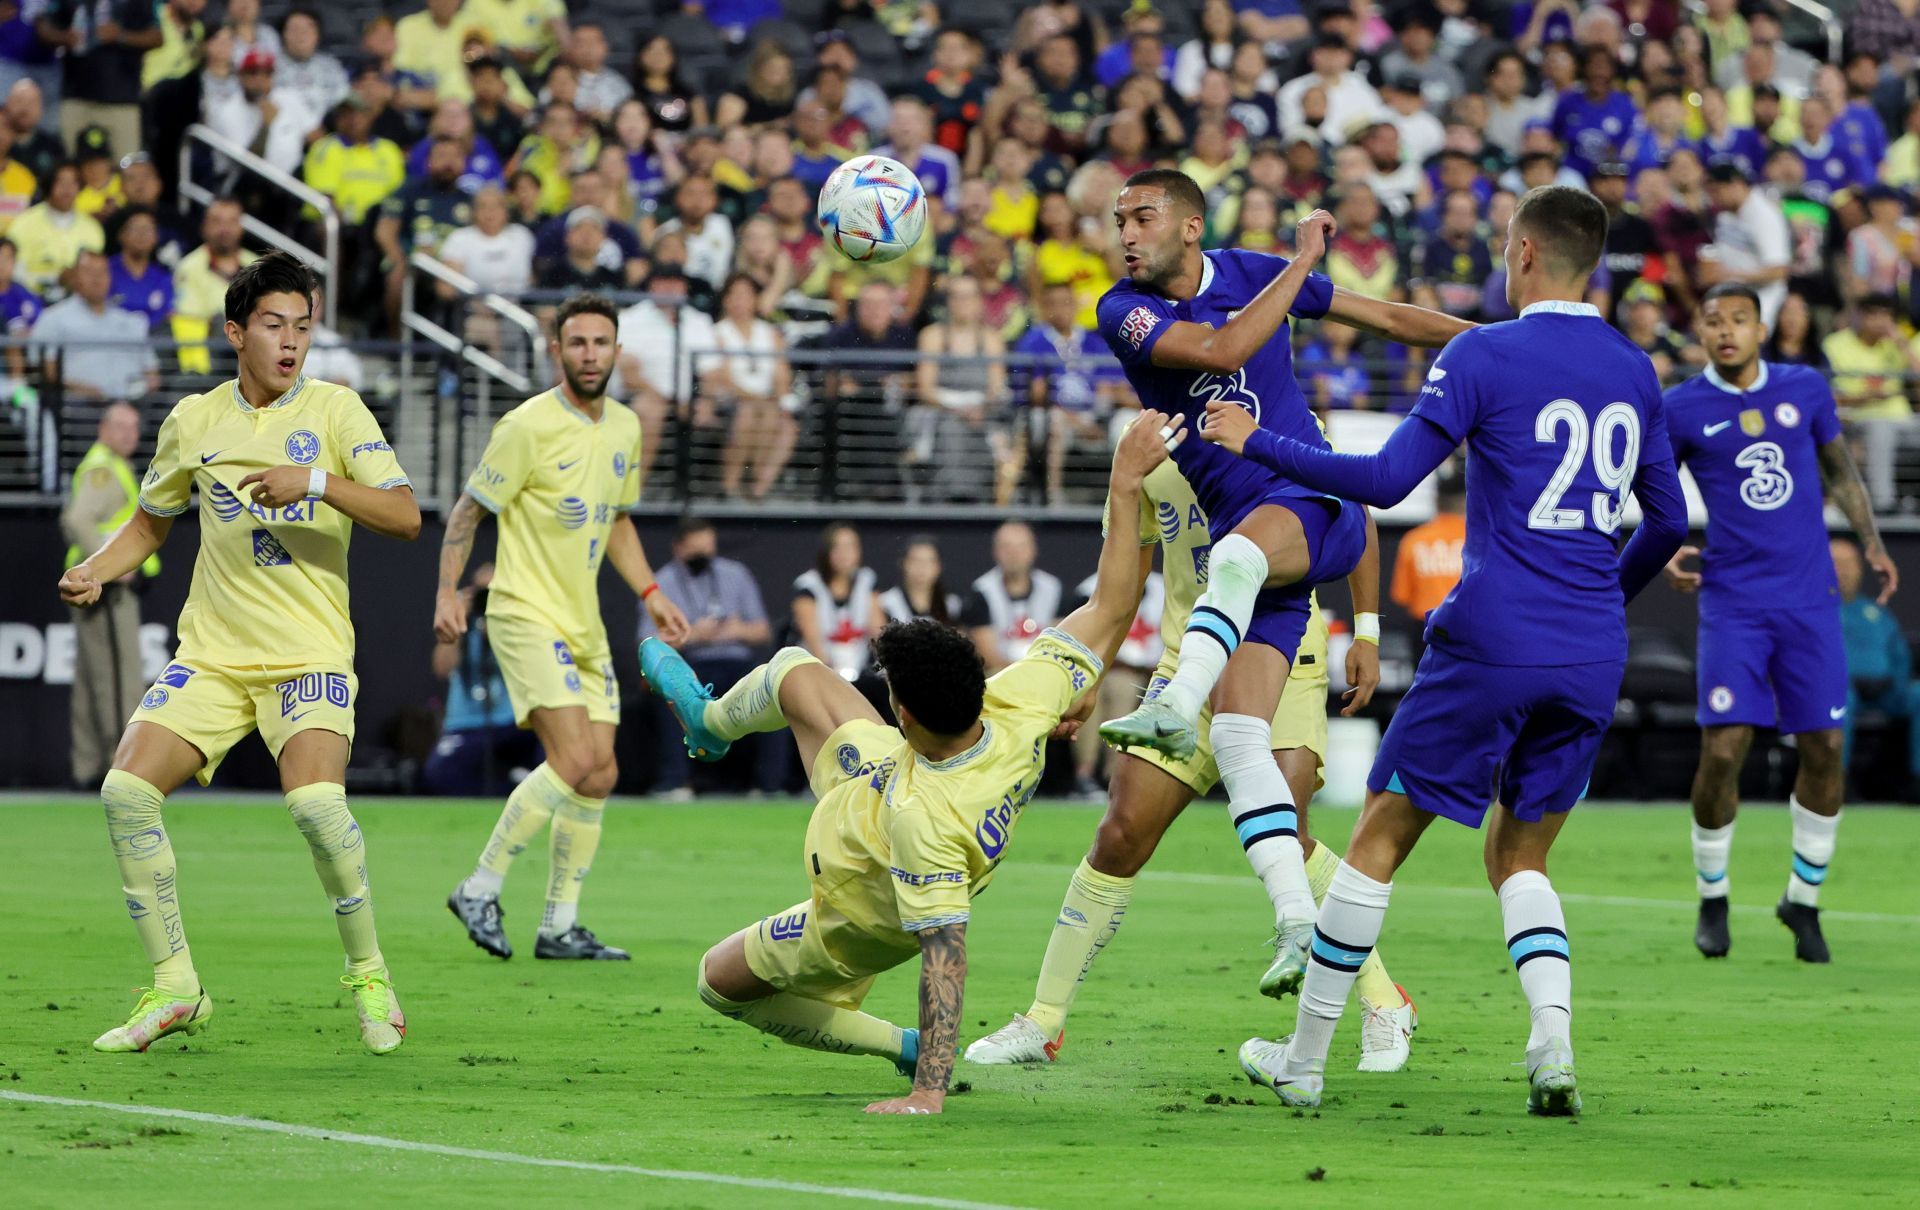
1132	320
1558	412
1755	455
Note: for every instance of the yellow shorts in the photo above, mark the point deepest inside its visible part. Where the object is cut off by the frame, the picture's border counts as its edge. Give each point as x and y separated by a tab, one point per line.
213	707
795	951
851	751
544	671
1299	721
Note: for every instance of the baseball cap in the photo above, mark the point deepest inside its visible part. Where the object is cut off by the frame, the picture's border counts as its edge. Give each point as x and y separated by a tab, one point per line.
585	214
93	143
257	59
1725	170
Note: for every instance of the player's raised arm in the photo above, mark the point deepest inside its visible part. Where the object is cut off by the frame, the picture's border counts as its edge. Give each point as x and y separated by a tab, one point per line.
1402	322
1101	624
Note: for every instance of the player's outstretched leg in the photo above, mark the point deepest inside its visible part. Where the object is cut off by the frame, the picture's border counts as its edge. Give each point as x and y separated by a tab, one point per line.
1716	801
1146	799
1815	811
1388	1016
319	810
729	987
176	1003
751	706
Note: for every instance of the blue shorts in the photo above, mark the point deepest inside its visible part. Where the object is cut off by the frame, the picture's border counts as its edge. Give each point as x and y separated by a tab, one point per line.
1336	532
1468	733
1784	668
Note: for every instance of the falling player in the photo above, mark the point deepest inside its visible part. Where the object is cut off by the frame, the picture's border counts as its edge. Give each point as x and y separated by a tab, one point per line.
1758	436
559	474
1192	327
1149	790
286	466
912	822
1562	417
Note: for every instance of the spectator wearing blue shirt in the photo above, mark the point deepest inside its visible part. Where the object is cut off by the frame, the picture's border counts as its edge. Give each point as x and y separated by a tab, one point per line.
1270	21
1659	134
1144	51
1830	166
138	282
733	18
622	252
19	306
1331	372
482	166
1725	141
911	130
1857	124
1067	379
1593	122
480	747
1879	662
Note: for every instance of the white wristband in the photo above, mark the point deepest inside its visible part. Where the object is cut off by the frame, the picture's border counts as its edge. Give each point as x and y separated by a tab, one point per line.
1366	628
316	483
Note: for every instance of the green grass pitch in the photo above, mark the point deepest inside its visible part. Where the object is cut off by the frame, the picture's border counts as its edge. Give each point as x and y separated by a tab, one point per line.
1754	1081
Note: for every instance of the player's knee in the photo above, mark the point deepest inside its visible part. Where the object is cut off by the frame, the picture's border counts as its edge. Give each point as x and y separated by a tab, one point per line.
1236	559
1121	846
572	764
599	783
1240	741
1723	749
1820	751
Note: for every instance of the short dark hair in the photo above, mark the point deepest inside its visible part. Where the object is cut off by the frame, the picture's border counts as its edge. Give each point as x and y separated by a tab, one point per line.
311	14
1568	225
1177	185
1733	289
276	272
933	671
1879	302
588	303
691	525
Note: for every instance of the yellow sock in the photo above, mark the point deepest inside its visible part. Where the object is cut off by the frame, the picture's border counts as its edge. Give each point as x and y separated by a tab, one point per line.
1372	982
147	879
528	809
1089	917
573	842
813	1024
752	705
340	858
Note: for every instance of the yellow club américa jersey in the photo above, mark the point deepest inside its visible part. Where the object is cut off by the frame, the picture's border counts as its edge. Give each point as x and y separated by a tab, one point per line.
907	846
555	479
270	584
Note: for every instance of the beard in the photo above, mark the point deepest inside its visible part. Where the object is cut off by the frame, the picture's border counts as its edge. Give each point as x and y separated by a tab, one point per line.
580	389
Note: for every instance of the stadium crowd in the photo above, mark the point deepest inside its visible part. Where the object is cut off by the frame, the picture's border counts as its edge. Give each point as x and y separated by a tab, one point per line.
672	151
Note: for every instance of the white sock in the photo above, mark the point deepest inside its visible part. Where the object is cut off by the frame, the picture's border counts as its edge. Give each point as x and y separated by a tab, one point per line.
1537	940
1343	939
1712	847
1236	568
1813	838
1261	806
483	884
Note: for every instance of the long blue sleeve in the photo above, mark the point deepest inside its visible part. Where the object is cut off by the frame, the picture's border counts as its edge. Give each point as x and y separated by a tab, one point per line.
1663	527
1415	450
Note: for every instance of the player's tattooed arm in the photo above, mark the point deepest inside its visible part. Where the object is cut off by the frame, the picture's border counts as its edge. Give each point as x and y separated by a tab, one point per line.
456	547
943	985
1842	479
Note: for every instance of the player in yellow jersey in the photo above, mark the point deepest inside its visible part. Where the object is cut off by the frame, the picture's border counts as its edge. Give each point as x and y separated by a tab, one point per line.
1149	790
912	821
559	475
286	466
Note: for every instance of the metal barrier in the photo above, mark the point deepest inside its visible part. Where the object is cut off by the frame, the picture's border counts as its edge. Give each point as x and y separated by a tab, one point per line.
326	261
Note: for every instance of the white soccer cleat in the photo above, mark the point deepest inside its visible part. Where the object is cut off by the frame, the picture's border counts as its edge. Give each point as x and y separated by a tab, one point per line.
1266	1065
1386	1034
1020	1040
1551	1088
1289	969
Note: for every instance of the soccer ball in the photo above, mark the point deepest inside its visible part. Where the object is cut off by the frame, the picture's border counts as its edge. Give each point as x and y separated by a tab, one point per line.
872	209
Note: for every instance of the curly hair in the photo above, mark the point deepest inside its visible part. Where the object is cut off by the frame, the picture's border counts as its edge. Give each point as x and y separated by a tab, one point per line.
934	672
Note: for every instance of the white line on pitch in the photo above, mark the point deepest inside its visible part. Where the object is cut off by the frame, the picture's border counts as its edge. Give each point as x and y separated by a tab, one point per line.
1414	888
500	1157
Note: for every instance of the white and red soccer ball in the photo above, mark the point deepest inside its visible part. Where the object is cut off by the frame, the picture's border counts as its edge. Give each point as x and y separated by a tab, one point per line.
872	209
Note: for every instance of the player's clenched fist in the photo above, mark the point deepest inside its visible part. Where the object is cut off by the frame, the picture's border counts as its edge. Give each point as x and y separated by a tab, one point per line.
79	586
449	616
277	488
1227	425
1147	443
1677	572
1312	236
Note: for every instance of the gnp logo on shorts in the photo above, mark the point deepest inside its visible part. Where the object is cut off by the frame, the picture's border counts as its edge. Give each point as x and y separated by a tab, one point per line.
1138	325
1720	700
849	758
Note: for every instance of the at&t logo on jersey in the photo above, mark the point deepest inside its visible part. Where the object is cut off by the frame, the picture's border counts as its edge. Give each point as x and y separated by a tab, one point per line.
302	446
572	512
1169	518
225	505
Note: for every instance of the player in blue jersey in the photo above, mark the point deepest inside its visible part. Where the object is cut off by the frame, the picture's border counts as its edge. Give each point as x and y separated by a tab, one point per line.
1562	417
1192	328
1761	440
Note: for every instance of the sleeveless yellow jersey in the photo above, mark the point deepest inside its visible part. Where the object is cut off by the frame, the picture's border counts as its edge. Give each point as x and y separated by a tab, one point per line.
270	584
907	845
556	478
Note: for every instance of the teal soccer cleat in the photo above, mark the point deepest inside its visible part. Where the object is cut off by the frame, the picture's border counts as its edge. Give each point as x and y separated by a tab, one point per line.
1157	725
668	675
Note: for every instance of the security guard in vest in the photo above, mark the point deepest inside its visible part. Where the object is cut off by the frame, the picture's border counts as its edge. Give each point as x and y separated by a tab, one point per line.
106	665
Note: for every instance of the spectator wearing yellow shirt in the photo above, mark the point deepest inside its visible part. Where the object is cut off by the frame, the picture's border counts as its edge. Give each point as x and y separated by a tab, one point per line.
200	279
354	168
427	55
1360	259
17	182
1066	250
1012	204
100	192
52	235
182	33
531	32
1869	363
1900	167
563	146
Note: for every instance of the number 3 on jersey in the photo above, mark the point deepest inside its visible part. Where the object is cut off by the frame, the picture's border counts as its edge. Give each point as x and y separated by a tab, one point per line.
1770	485
1614	473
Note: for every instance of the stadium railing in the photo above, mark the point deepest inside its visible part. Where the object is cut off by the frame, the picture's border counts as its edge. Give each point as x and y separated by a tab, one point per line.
207	149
